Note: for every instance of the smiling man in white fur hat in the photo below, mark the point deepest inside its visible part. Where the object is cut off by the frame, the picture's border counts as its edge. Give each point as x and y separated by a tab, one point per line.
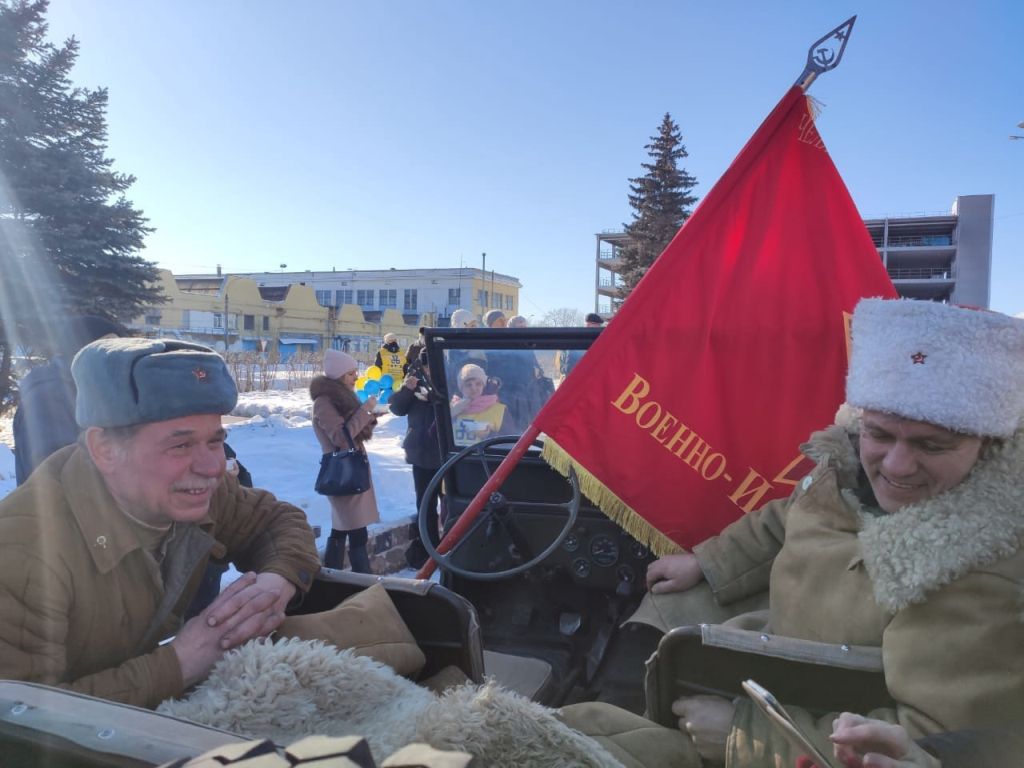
105	545
907	536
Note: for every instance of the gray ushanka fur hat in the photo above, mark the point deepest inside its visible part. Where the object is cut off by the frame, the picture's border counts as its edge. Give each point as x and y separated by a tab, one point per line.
122	382
959	368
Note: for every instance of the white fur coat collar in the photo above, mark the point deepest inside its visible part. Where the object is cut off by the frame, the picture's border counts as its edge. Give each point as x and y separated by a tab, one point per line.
294	688
925	546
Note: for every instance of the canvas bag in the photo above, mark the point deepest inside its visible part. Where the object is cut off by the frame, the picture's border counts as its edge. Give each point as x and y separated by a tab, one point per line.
343	472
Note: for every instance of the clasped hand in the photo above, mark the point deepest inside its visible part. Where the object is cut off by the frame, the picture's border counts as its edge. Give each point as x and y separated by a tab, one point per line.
252	606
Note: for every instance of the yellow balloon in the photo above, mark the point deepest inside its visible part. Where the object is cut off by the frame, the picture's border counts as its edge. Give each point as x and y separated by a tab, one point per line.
373	373
361	382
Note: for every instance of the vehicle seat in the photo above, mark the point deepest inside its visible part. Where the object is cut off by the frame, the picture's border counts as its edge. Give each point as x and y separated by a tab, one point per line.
526	675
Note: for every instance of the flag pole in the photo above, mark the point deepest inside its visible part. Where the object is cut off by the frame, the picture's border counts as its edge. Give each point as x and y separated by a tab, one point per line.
469	516
825	53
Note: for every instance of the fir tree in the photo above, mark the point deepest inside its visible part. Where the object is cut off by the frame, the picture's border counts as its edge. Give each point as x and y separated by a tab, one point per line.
69	238
661	200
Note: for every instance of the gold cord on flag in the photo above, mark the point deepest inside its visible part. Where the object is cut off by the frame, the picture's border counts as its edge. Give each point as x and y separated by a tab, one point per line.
612	506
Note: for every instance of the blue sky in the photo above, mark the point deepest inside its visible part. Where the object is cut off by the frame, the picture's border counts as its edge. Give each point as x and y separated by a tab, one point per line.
407	134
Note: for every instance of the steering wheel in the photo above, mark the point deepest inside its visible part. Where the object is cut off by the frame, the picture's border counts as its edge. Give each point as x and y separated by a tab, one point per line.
497	503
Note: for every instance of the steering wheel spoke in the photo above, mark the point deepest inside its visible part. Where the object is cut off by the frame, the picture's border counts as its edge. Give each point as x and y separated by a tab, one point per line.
490	514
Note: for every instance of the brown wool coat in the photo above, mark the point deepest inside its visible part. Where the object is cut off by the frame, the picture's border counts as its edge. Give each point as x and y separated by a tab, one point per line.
347	512
937	586
83	606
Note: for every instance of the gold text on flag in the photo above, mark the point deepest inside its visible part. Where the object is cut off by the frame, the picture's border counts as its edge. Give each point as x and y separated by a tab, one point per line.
687	446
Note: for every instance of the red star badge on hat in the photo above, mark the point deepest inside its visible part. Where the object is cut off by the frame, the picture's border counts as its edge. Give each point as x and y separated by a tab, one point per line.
918	358
199	373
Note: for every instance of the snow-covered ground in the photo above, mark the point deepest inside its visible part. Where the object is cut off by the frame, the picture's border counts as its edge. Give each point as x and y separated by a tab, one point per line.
273	436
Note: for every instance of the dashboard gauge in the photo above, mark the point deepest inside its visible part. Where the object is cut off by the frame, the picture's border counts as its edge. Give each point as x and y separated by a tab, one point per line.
604	550
581	567
639	550
626	574
571	543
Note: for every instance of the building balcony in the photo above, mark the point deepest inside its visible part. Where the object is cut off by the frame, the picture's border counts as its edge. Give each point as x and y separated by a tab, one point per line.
921	273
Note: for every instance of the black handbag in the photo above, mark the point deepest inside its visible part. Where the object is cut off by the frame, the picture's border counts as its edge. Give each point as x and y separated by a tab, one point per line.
344	472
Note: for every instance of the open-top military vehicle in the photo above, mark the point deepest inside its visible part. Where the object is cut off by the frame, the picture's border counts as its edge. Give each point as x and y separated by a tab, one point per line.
534	595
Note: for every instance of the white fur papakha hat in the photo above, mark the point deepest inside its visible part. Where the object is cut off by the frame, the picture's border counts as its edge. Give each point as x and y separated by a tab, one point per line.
958	368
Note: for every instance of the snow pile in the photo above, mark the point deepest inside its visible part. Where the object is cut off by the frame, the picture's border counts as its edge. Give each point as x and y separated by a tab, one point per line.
7	482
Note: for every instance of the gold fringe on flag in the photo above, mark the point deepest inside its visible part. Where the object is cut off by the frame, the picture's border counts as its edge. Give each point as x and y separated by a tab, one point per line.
614	507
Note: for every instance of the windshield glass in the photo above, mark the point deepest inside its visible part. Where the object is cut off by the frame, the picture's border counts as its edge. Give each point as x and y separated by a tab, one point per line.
499	391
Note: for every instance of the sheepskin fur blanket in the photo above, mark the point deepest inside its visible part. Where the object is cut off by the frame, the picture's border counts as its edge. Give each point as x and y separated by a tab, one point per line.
294	688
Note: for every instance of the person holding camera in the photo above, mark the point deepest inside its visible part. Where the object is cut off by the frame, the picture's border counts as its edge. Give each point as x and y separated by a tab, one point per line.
415	400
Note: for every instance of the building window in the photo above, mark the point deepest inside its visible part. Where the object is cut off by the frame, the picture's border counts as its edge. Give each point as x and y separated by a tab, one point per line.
508	302
364	298
218	320
185	318
497	300
233	322
410	298
454	296
387	297
153	319
266	322
342	297
323	298
481	298
249	322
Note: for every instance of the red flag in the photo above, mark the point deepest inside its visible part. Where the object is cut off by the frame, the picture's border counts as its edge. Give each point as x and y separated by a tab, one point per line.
689	408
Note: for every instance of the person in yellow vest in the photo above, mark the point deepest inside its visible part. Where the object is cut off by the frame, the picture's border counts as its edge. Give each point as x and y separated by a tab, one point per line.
389	359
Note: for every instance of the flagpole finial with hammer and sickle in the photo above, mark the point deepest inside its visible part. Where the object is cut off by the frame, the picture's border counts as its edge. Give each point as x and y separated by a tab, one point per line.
826	53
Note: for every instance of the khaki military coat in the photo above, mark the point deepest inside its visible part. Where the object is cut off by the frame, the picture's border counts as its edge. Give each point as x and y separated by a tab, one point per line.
83	605
938	586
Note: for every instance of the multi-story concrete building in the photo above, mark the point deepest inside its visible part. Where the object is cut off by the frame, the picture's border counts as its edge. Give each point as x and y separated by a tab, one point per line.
939	257
432	294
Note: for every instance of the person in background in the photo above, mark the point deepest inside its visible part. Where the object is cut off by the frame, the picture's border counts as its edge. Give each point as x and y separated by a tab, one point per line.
104	545
569	360
456	358
45	419
412	354
476	412
335	410
389	359
415	400
517	321
495	319
463	318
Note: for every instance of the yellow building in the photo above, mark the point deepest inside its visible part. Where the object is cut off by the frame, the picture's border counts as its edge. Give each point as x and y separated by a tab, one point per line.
234	313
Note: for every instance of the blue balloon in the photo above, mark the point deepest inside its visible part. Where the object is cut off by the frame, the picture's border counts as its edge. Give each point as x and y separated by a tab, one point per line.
363	397
371	387
384	395
386	381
